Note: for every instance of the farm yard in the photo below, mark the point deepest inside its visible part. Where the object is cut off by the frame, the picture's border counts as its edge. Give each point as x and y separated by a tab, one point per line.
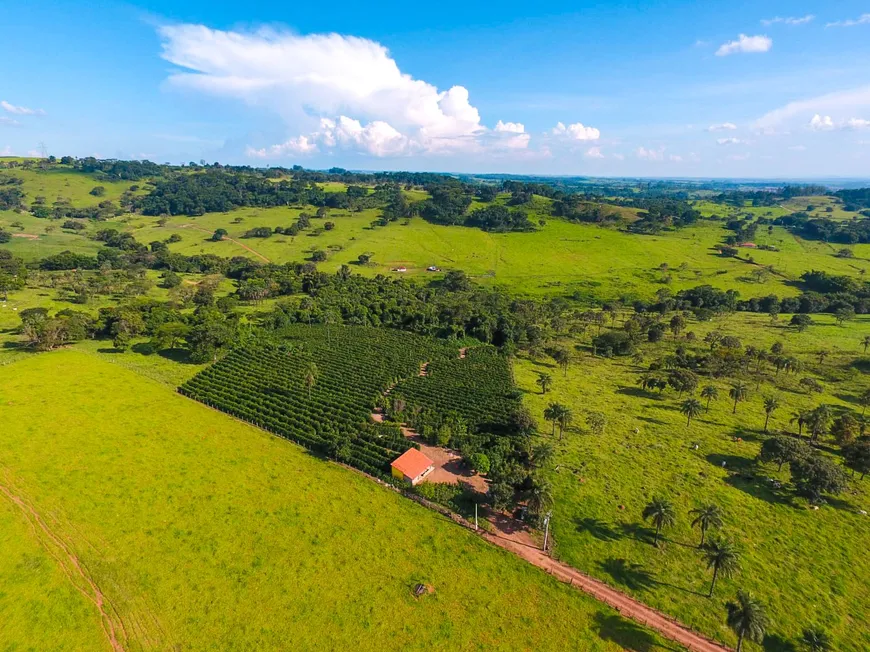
604	368
247	527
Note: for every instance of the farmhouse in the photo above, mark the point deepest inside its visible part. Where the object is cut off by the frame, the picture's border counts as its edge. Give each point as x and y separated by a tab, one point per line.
412	466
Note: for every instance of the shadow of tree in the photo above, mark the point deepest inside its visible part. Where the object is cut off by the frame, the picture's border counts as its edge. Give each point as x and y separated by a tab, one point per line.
638	532
599	529
637	392
626	634
742	475
628	574
658	422
776	643
176	355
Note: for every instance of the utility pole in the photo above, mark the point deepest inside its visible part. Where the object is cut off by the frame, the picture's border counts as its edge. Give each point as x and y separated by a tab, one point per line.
547	529
475	516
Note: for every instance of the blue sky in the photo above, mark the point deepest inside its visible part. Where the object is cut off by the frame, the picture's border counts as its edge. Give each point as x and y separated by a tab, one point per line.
664	89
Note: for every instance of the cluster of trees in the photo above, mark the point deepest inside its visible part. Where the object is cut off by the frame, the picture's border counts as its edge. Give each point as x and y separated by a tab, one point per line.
220	191
206	332
855	199
843	296
827	230
11	194
499	219
578	208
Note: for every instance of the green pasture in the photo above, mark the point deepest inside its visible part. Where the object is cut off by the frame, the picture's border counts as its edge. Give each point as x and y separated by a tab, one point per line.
63	183
205	533
809	567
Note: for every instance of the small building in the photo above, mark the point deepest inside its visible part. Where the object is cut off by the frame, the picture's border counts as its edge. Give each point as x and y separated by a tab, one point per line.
401	270
412	466
750	245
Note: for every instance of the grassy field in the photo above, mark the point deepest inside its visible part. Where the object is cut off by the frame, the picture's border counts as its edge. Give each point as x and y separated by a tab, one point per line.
205	533
808	566
63	183
559	258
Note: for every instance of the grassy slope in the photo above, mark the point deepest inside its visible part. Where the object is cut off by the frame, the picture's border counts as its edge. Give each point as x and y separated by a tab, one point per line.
809	567
560	257
205	532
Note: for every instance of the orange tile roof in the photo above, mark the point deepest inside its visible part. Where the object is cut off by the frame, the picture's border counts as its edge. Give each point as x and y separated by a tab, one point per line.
412	463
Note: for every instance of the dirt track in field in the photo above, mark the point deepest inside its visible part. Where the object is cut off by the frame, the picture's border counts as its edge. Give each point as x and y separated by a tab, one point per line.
226	237
113	626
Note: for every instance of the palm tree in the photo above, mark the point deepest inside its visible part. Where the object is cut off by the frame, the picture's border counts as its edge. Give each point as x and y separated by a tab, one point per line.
690	409
738	392
799	417
818	421
710	393
770	404
540	497
865	342
864	401
542	456
706	517
817	640
723	558
746	618
566	416
544	381
552	413
311	374
662	514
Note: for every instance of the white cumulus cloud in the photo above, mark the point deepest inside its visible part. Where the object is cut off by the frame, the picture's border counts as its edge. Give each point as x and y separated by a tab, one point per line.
510	127
594	152
19	110
9	122
576	131
840	105
339	91
745	44
791	20
725	126
821	123
650	154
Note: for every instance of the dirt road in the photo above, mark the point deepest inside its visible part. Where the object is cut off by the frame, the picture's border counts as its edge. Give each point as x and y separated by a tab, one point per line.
511	535
226	237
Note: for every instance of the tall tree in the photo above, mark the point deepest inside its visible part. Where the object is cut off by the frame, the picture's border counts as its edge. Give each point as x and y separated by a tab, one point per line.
710	393
706	517
661	512
691	408
865	342
552	413
566	417
746	618
562	356
544	381
770	405
738	393
722	558
310	378
540	497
